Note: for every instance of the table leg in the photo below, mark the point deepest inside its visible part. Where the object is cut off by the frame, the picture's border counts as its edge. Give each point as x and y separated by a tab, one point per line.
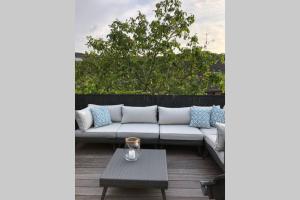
103	193
163	193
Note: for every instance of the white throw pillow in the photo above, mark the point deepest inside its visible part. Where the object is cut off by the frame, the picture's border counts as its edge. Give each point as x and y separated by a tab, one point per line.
84	118
114	110
220	142
145	114
174	115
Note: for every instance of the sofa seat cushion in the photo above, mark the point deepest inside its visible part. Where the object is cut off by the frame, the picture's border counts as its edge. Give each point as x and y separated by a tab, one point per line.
179	132
209	131
211	139
109	131
140	130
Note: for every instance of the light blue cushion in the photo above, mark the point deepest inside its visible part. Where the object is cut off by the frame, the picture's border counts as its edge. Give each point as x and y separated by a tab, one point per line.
101	116
217	115
200	117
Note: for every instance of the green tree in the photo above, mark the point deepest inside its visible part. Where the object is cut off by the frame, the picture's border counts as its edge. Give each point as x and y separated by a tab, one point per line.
145	57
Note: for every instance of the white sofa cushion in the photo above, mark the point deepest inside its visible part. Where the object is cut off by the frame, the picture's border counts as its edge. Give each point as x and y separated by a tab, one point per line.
220	141
145	114
210	139
174	115
114	110
140	130
209	131
109	131
84	118
179	132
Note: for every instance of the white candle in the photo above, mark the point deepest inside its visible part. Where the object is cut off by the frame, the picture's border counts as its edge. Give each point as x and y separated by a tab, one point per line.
131	154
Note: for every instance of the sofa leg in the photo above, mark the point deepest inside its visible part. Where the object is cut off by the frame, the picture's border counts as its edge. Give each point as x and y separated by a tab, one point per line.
205	153
200	150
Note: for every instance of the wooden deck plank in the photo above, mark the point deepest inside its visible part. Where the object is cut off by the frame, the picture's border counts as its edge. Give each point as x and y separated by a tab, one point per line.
139	192
97	197
183	184
185	170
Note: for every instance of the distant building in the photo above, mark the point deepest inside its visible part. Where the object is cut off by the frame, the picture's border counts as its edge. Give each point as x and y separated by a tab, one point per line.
79	56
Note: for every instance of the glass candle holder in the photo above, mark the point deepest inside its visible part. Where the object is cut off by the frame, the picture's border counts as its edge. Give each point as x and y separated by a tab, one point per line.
132	149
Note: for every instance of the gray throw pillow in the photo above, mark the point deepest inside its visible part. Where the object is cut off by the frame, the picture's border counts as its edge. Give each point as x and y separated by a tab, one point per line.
145	114
174	115
220	142
84	118
114	110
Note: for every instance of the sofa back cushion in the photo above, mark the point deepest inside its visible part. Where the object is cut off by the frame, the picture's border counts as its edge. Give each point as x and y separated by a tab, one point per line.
114	110
174	115
145	114
84	118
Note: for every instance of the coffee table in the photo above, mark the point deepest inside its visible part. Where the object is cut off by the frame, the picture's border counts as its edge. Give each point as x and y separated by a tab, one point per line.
149	171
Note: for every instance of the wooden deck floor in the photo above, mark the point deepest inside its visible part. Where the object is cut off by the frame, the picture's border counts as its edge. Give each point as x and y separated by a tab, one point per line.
185	169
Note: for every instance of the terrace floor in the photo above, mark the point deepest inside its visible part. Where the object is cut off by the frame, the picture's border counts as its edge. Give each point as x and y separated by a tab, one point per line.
185	169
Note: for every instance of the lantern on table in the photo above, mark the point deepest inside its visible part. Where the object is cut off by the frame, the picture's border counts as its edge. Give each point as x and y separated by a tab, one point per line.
132	148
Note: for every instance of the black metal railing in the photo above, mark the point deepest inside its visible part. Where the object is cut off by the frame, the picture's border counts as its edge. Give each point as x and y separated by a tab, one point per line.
82	101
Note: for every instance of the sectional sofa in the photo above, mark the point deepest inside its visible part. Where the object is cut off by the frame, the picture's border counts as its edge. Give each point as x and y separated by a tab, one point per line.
153	124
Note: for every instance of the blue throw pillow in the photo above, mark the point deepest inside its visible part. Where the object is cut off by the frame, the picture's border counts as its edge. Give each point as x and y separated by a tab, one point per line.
200	117
101	116
217	115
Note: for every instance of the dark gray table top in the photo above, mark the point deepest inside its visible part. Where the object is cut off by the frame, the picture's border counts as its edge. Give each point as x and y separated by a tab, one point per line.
150	170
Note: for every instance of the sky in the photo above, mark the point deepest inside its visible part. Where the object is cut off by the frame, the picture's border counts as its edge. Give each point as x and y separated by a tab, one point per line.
93	17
